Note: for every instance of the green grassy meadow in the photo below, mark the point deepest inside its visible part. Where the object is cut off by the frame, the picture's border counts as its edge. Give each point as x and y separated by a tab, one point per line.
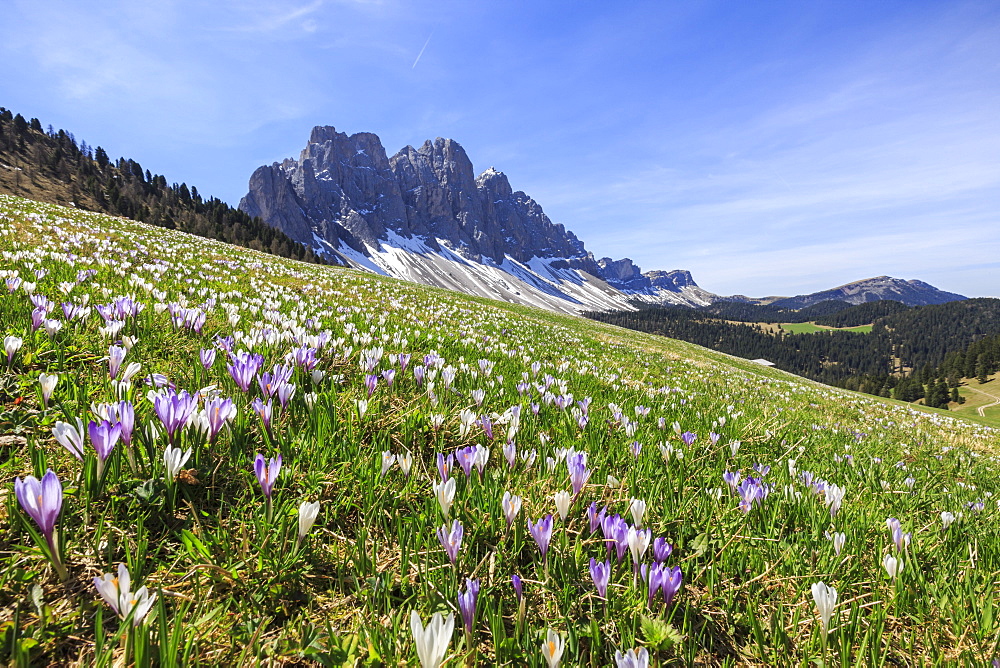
696	500
980	395
812	328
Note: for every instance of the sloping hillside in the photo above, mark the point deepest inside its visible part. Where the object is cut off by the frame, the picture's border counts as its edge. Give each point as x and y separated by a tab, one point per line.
555	484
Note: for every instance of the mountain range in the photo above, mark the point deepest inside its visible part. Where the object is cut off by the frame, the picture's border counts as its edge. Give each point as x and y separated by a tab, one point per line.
425	216
421	215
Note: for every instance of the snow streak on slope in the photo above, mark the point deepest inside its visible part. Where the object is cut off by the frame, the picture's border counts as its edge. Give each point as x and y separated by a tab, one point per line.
537	283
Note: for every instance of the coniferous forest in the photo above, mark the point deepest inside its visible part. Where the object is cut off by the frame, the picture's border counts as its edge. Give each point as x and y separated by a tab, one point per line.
911	353
52	166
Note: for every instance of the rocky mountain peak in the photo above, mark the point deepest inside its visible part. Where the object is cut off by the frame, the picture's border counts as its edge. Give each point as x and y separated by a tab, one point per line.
344	196
322	133
495	184
676	279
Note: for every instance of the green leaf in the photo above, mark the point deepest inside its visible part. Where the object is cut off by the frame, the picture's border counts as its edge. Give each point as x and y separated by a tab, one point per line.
194	546
658	634
37	601
146	490
700	544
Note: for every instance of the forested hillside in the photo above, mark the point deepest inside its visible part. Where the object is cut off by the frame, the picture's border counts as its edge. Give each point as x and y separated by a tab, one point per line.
862	314
905	348
51	166
745	312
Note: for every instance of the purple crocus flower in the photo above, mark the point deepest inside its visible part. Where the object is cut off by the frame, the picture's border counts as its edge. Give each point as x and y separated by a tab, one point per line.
451	540
126	418
466	458
285	392
304	357
902	540
515	580
207	357
243	367
713	437
264	411
752	492
371	382
103	435
616	534
42	500
579	474
267	383
487	425
404	360
510	453
732	479
116	355
689	437
418	374
224	342
671	584
653	576
174	410
389	375
661	550
37	318
467	603
444	465
267	472
600	572
542	533
595	516
218	411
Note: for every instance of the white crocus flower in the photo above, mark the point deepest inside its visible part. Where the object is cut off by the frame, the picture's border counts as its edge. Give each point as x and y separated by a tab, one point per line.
826	600
48	382
638	542
892	565
838	541
562	500
70	437
174	459
405	462
11	345
307	517
638	509
130	371
947	518
511	505
388	459
116	592
432	641
444	492
552	648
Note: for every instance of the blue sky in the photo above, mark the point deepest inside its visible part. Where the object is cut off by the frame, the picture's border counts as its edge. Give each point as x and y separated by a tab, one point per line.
768	147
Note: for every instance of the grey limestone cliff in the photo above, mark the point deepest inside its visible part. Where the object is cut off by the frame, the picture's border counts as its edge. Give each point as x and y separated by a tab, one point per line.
343	195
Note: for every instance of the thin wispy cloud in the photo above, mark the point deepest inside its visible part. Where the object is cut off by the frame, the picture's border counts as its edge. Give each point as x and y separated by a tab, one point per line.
270	16
422	49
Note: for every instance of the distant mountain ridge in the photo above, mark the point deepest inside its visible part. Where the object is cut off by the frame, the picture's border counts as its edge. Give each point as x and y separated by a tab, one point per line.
911	293
424	215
